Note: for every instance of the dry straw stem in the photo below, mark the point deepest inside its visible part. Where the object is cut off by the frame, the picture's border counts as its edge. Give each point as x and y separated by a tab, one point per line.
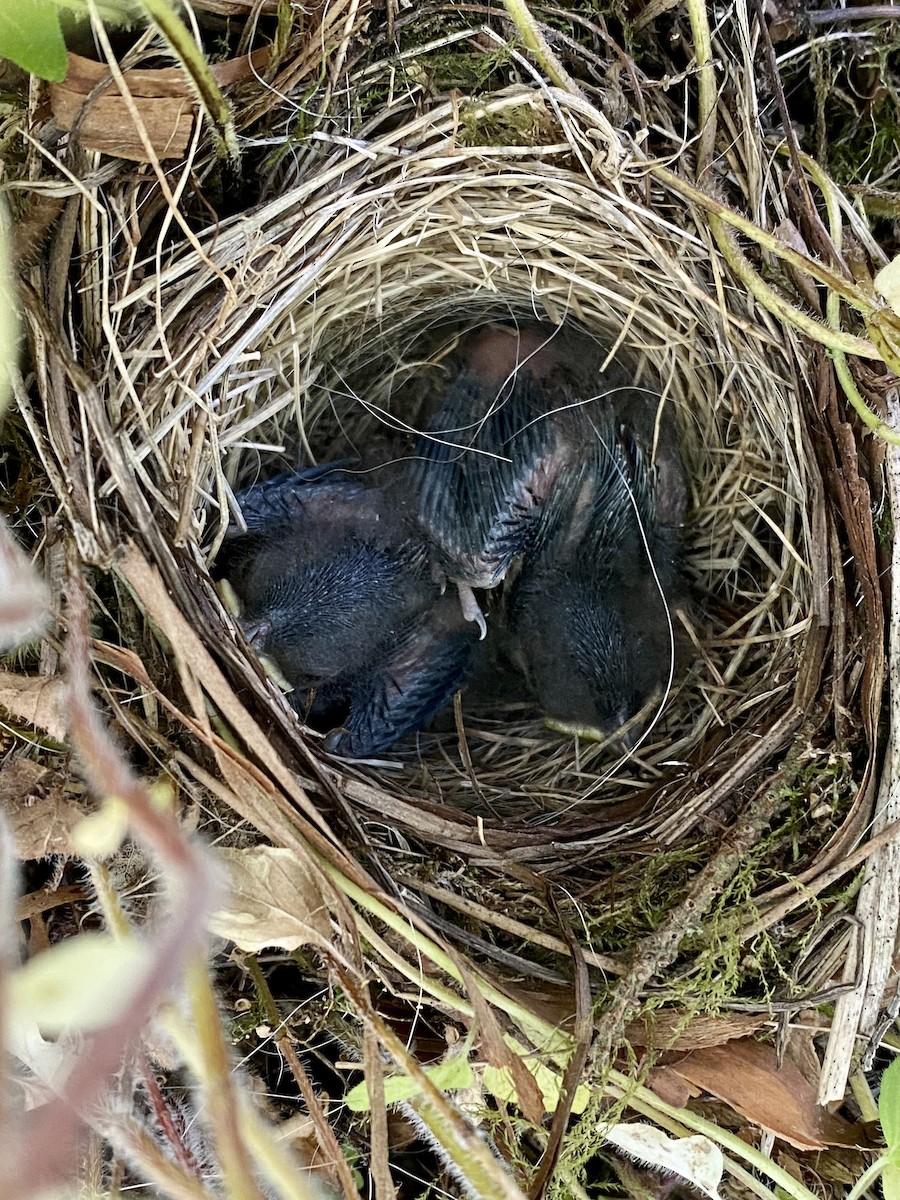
878	908
307	326
879	901
884	323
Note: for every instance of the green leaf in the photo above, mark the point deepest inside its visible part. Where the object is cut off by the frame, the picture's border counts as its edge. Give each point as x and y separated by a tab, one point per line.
547	1074
498	1081
450	1075
81	983
121	13
890	1181
889	1106
31	37
887	283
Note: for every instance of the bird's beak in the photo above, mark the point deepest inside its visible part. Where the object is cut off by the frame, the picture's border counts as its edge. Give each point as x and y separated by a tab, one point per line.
589	733
626	734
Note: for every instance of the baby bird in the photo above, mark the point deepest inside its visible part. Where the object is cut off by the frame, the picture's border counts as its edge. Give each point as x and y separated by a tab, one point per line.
415	682
490	458
335	587
590	609
536	468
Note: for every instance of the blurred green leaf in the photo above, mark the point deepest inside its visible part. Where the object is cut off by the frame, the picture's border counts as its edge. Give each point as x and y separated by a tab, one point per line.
889	1107
450	1075
110	12
890	1182
31	37
81	983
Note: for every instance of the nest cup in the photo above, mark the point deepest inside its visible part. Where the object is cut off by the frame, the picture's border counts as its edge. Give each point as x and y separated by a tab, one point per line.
309	321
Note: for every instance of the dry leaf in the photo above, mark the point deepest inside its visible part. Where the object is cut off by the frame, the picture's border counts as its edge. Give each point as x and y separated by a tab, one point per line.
164	100
274	900
696	1159
37	701
800	1049
671	1087
33	226
48	1061
887	283
39	814
672	1029
838	1166
745	1075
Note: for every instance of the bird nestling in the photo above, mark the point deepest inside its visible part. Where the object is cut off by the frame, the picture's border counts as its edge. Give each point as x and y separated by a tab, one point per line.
335	587
589	614
489	459
538	468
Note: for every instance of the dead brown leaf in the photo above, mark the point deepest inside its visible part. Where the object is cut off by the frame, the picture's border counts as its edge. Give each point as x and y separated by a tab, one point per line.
40	812
745	1075
37	701
800	1049
164	101
274	899
840	1166
31	229
672	1029
671	1087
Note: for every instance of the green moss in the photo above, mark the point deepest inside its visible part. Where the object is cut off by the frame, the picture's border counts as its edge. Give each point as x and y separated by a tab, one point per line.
857	105
467	70
637	895
245	1024
884	528
522	125
865	146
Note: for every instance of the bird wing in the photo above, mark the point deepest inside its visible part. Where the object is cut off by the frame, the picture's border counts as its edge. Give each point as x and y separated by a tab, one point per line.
307	494
418	680
483	472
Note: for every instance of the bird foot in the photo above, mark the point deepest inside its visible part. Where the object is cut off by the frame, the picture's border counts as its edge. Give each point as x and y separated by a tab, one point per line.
256	632
471	609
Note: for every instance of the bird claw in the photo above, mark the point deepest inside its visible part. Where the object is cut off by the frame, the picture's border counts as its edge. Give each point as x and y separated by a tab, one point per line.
256	632
471	609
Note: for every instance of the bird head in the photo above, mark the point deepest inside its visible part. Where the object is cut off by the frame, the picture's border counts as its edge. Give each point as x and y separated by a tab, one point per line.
595	640
321	609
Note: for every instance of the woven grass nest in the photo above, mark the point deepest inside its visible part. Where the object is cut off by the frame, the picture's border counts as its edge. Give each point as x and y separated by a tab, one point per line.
712	870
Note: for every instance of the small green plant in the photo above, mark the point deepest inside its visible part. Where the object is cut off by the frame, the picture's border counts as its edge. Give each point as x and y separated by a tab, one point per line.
887	1165
31	35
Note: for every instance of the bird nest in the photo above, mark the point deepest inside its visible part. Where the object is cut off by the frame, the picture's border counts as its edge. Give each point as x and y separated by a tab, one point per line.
712	858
